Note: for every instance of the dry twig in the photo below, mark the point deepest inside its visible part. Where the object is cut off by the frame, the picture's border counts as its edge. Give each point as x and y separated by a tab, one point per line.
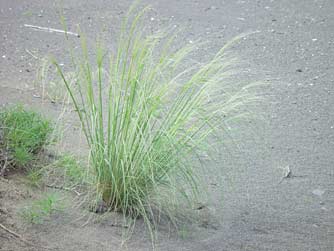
64	188
18	236
31	54
48	29
6	163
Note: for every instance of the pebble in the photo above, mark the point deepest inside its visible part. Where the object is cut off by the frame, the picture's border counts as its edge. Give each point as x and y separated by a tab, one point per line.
318	192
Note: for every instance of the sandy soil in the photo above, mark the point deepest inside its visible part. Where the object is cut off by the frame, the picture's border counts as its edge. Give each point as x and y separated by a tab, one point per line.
292	50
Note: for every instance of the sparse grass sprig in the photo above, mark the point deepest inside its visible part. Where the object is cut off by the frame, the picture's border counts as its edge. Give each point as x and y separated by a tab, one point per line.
41	209
66	172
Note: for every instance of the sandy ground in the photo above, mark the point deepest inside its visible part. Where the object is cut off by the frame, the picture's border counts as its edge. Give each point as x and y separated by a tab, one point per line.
292	50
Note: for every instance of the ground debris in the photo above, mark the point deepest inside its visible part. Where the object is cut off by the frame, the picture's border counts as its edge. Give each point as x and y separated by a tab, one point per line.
319	192
64	188
287	174
20	237
48	29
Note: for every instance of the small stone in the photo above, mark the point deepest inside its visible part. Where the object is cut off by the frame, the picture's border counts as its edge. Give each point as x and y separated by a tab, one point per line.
211	8
299	70
199	206
318	192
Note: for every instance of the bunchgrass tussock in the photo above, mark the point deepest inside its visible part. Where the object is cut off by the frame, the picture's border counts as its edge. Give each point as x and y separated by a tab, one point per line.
23	134
147	116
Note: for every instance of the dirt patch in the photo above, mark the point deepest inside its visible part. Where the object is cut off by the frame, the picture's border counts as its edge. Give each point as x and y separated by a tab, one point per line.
74	227
13	234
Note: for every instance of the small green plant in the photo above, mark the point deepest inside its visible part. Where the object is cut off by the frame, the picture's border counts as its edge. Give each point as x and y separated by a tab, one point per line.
41	209
65	172
147	116
34	176
22	136
184	232
72	169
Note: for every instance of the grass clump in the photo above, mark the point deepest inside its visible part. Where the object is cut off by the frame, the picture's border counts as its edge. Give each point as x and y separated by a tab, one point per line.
23	134
147	116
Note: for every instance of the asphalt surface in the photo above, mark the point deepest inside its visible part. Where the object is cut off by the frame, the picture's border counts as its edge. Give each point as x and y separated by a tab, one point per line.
292	50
